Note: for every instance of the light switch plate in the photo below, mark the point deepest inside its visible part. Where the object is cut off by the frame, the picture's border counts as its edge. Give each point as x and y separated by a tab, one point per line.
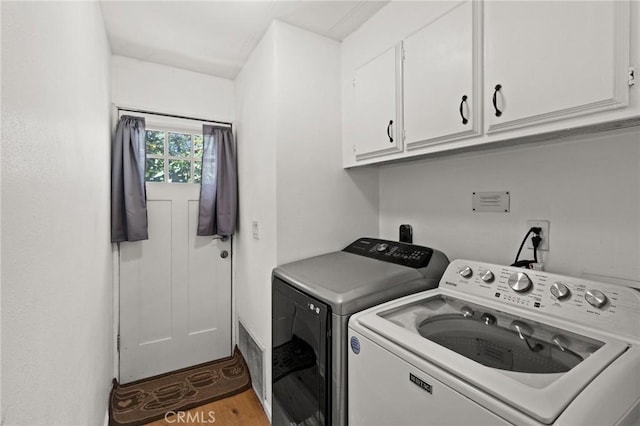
255	229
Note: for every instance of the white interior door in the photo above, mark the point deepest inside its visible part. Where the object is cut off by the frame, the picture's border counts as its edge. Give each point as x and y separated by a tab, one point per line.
175	289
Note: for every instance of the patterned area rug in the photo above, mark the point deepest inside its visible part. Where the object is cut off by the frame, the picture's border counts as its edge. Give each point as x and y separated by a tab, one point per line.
144	401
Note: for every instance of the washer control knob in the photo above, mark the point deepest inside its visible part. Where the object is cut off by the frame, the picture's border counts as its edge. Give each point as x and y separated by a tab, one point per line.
520	282
487	276
559	291
382	247
595	298
466	272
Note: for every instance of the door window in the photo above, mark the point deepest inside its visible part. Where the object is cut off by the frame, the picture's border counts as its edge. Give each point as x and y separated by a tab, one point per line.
173	156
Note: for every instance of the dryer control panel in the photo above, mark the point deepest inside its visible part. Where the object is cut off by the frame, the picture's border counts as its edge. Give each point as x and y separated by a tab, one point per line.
410	255
604	306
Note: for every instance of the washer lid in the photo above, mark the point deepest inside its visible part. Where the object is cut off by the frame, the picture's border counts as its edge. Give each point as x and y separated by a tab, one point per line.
543	394
350	283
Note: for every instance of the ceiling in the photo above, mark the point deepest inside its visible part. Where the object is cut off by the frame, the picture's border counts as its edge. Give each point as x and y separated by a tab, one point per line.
217	37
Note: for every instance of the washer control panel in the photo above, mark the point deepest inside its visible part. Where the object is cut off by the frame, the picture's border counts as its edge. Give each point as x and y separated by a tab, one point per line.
404	254
604	306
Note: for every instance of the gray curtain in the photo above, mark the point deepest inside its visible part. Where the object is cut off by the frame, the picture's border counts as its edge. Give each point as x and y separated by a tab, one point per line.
219	187
128	195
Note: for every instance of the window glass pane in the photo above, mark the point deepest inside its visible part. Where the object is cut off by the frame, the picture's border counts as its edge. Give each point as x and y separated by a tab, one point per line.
179	145
155	142
197	146
155	170
179	170
197	171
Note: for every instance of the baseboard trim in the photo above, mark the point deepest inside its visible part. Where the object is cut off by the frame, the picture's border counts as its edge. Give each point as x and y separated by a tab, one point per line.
106	417
267	409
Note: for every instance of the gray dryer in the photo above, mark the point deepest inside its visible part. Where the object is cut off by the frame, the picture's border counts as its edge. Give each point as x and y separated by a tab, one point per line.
312	300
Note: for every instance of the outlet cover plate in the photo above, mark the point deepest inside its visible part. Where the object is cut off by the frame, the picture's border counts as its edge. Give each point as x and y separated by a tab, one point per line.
544	224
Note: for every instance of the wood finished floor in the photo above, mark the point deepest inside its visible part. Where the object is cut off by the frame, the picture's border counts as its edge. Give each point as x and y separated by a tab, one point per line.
243	409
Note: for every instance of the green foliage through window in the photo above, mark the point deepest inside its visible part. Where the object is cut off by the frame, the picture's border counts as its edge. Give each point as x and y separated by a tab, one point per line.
179	145
179	170
197	171
155	170
155	142
198	145
173	157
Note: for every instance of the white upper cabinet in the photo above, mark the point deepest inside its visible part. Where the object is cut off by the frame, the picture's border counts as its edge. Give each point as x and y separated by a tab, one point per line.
552	60
470	73
378	120
442	79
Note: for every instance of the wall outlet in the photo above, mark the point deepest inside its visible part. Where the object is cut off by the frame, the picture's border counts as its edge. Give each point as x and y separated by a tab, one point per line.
544	224
255	230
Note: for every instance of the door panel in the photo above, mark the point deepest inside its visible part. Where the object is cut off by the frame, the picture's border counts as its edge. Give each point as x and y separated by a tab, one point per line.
175	297
154	270
202	296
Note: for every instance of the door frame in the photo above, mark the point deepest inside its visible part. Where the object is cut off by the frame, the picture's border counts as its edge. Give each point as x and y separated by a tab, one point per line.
115	260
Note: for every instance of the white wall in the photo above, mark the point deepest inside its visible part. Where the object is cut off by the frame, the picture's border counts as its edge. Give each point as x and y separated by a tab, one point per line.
587	187
160	88
56	251
256	150
321	206
291	176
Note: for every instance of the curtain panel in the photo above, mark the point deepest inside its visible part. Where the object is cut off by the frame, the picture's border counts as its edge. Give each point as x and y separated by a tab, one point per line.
218	207
128	194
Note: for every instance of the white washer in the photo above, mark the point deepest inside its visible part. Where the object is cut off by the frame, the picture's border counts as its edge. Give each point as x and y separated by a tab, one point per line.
498	345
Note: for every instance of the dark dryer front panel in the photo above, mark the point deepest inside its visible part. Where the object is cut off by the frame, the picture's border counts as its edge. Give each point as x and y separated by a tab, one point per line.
301	341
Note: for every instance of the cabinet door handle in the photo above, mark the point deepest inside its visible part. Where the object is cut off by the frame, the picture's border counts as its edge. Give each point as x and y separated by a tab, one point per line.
389	131
495	99
464	119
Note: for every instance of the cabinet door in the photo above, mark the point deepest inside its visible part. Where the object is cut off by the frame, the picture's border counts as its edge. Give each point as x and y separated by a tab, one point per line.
547	61
378	130
442	81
